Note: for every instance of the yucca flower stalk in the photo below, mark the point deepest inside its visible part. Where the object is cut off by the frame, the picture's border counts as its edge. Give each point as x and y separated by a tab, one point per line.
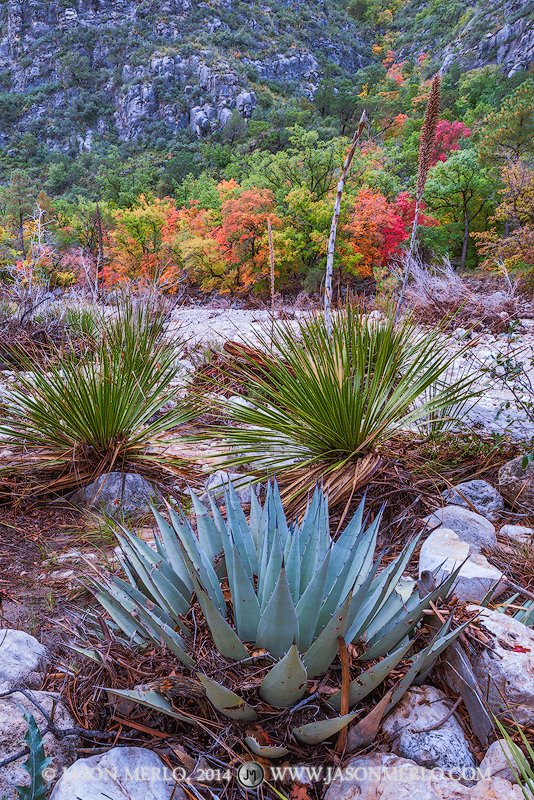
426	147
335	220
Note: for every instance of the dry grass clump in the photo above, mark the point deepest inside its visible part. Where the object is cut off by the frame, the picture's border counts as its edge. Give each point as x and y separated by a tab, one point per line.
436	291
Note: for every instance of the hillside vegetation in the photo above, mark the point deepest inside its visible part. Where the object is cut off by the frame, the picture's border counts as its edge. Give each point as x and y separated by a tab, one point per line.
158	139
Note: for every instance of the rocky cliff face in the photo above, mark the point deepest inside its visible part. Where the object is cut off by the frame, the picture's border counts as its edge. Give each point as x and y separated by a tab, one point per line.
473	34
121	68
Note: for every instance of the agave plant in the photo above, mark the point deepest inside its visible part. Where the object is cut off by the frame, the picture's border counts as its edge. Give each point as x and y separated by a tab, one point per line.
294	592
81	416
324	404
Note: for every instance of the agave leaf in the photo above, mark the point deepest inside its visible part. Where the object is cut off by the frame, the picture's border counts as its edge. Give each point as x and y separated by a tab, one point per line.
198	560
317	732
380	590
356	575
173	641
286	682
152	700
226	640
217	516
367	681
139	599
209	535
367	728
94	655
345	545
281	521
308	523
169	538
437	648
309	605
148	556
151	569
403	599
226	701
129	571
320	655
265	547
405	625
255	519
157	587
245	603
279	626
422	660
265	751
292	562
310	552
237	522
131	627
267	581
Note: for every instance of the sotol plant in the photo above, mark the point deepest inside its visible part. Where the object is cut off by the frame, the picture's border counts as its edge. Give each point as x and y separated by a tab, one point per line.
82	416
294	591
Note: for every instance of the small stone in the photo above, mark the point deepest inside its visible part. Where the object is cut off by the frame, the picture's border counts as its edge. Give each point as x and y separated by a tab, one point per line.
486	500
472	528
117	493
519	533
22	658
443	551
496	764
516	484
129	773
423	707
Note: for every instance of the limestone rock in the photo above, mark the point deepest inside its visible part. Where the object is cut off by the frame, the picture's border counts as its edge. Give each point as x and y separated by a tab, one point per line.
517	533
517	484
444	550
472	528
22	658
505	668
495	764
481	494
125	773
13	728
388	777
422	707
117	493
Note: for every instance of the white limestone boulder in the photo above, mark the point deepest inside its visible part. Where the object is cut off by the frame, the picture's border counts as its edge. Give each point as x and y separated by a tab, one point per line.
444	551
388	777
13	728
496	762
123	773
423	707
472	528
505	667
22	659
